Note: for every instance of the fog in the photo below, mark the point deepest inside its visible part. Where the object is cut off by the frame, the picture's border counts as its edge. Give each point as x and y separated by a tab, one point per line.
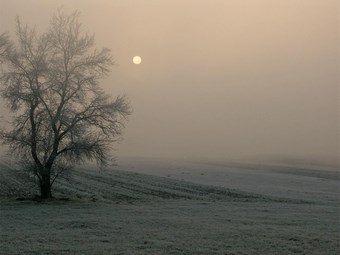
218	79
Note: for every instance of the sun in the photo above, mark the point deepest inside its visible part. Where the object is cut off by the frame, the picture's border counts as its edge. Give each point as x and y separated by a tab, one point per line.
137	60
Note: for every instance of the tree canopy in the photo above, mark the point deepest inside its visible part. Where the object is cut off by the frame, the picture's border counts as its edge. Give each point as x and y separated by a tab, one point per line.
61	115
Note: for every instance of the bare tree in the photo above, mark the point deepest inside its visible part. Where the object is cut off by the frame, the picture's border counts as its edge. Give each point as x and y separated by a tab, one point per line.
4	43
61	115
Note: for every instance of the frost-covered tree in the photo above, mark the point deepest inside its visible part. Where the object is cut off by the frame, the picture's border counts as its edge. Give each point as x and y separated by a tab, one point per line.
61	116
3	43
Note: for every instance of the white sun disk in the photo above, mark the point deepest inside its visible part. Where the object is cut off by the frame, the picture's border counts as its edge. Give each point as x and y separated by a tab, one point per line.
137	60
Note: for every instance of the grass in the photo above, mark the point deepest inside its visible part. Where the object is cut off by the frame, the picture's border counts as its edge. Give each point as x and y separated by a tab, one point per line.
119	212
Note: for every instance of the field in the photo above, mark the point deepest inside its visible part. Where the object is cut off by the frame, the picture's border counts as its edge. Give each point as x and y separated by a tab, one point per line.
153	206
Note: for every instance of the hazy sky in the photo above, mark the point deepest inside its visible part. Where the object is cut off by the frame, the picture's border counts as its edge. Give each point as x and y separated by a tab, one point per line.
222	78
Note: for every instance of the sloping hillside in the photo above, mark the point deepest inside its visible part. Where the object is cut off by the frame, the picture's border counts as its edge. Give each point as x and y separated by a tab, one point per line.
115	185
121	212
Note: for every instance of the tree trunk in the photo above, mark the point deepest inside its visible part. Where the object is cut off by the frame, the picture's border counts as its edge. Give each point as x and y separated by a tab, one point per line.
45	187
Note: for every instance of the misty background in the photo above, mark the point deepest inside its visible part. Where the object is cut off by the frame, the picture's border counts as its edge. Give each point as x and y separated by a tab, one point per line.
253	80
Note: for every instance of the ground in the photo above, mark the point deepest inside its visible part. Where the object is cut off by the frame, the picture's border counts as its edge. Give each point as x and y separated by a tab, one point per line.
119	211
